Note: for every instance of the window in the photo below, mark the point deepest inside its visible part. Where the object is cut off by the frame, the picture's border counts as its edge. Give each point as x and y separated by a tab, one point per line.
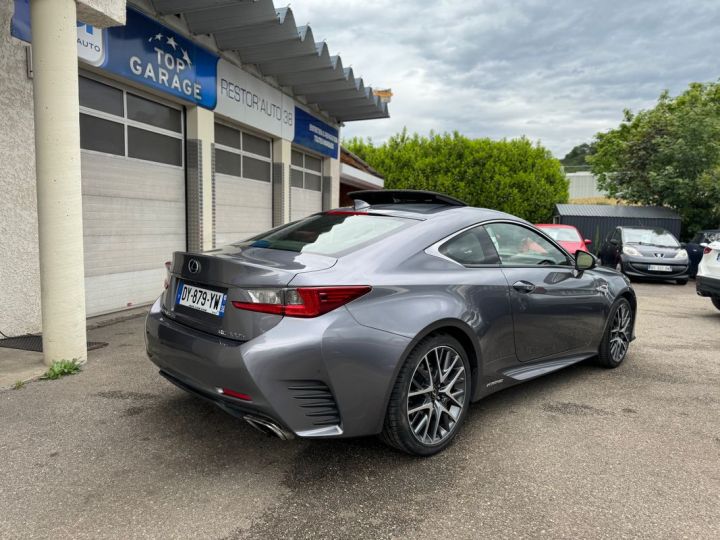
519	246
562	234
227	136
149	112
241	154
330	234
118	122
101	97
650	237
102	135
305	171
227	163
150	146
471	247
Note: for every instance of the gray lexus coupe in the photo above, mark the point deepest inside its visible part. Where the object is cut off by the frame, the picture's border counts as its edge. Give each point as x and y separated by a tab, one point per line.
389	317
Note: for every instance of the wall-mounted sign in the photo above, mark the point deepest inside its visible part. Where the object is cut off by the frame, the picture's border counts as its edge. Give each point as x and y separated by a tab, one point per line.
315	134
90	40
249	100
144	51
150	53
147	52
256	104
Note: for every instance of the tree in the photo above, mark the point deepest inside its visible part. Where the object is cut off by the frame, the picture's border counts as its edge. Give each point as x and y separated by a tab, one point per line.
667	156
577	157
514	176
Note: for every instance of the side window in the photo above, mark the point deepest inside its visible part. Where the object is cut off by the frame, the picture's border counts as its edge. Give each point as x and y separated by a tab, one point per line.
519	246
473	247
617	235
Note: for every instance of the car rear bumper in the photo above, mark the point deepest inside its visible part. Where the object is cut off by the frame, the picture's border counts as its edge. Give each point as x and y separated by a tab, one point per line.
642	269
321	377
707	286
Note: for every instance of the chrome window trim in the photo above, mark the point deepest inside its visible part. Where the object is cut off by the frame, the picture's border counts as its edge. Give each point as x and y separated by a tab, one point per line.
434	249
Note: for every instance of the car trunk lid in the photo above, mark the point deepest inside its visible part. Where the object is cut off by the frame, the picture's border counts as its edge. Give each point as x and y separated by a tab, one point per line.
226	274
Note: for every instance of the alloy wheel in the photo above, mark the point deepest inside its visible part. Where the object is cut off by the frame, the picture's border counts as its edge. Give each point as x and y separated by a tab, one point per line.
620	332
437	395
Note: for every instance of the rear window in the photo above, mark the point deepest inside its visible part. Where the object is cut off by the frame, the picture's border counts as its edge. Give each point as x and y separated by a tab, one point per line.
562	234
330	234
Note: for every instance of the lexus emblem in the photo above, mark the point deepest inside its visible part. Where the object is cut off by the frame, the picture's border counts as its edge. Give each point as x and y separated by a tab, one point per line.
194	266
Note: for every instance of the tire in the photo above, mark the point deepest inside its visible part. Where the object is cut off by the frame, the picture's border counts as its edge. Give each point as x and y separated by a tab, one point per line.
429	430
716	301
681	281
608	356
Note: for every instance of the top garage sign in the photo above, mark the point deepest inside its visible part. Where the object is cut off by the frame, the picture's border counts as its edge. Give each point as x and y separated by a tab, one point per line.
152	54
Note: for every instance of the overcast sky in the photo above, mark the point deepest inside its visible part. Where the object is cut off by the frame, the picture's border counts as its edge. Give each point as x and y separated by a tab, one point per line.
556	71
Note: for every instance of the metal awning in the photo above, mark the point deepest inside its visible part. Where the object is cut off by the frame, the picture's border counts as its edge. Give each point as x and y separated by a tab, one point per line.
270	39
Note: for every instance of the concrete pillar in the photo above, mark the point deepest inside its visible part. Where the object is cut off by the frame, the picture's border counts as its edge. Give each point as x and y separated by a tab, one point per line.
282	154
331	183
57	159
201	178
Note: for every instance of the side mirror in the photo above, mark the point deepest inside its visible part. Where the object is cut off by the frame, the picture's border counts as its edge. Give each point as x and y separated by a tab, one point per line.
614	241
584	261
587	241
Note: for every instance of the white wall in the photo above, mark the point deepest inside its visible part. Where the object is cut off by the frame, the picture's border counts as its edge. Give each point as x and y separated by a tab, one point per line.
583	186
19	264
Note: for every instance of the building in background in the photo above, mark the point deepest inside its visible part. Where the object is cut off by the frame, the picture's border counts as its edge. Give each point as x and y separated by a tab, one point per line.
200	123
356	175
583	189
595	221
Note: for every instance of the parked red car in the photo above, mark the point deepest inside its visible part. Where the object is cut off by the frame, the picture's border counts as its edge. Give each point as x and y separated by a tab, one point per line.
565	235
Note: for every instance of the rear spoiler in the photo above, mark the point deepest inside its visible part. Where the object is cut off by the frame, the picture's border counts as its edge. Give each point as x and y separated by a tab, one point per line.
401	196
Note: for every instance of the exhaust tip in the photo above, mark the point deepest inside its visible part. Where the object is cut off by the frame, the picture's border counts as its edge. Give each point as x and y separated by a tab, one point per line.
268	427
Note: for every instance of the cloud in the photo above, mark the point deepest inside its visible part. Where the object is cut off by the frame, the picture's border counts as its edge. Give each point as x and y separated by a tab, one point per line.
557	71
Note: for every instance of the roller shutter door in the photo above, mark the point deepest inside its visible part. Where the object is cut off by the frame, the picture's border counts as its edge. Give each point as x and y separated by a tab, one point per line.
133	183
243	188
305	185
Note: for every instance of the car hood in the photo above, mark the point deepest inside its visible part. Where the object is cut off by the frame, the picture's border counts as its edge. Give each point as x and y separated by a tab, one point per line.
656	252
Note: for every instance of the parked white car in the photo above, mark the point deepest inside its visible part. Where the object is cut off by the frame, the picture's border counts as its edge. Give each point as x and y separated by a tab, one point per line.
708	277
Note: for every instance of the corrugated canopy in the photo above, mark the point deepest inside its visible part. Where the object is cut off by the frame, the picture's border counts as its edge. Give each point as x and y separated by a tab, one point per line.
617	211
270	39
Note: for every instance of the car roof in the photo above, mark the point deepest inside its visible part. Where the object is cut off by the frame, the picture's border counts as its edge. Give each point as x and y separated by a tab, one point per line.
555	226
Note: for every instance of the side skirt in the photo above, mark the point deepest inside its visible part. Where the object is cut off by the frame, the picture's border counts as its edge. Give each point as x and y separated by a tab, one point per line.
518	374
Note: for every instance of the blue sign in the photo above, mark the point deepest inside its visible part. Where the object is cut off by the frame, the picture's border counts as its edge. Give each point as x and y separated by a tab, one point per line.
144	51
315	134
20	24
147	52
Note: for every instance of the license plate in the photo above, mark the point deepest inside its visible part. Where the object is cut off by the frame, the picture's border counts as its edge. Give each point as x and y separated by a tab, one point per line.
212	302
659	268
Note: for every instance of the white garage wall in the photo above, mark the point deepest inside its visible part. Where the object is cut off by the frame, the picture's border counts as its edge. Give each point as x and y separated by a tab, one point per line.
243	208
133	220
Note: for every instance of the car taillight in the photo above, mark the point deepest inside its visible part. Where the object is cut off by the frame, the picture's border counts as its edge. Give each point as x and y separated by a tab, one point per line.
706	250
166	283
301	302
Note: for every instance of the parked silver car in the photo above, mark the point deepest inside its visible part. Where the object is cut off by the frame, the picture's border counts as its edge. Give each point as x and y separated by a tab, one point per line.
387	318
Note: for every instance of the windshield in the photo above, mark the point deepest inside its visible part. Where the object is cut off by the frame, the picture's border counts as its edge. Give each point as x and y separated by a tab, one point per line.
330	233
650	237
562	234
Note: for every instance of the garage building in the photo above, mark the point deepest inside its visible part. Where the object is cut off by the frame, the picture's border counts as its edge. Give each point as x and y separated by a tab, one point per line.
201	123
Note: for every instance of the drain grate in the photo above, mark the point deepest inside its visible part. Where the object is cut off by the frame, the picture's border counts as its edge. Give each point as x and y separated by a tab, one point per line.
34	343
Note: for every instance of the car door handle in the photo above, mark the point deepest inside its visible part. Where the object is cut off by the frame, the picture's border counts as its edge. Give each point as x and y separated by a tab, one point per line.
523	286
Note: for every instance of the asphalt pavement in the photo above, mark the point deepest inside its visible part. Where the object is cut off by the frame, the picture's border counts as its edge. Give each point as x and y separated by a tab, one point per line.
117	452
